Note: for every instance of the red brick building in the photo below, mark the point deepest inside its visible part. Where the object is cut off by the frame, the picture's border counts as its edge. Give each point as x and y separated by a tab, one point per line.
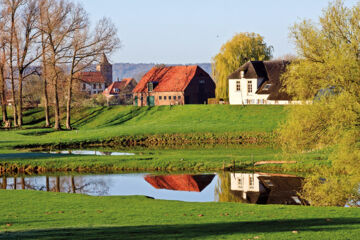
176	85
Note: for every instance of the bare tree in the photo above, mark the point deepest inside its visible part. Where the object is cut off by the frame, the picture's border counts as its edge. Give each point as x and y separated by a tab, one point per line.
3	60
27	51
57	26
11	8
86	48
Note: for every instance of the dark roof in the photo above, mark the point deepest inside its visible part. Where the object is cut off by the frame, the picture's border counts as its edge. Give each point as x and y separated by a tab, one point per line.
118	85
183	182
91	77
270	71
168	79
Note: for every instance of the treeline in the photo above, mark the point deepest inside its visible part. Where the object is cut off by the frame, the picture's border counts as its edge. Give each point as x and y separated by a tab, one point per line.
54	40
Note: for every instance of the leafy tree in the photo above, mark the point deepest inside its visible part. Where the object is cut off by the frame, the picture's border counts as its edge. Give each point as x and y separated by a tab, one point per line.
241	48
329	57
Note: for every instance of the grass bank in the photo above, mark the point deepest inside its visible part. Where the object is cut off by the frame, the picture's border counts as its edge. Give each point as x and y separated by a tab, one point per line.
41	215
122	125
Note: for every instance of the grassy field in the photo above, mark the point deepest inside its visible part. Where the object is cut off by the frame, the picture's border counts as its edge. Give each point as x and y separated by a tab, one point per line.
41	215
105	123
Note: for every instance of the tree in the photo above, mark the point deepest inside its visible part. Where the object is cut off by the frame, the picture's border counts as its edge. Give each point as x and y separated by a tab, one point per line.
241	48
3	60
329	60
58	25
27	52
86	48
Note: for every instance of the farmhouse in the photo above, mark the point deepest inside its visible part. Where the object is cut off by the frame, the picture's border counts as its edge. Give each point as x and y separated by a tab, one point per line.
175	85
121	92
258	82
96	82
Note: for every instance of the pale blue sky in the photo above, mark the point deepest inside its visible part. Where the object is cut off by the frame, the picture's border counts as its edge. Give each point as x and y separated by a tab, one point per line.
192	31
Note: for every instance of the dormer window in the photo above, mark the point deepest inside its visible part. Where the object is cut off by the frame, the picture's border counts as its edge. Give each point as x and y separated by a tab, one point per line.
267	87
150	86
116	90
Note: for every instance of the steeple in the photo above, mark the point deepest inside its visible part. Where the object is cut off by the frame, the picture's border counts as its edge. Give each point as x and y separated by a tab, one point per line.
106	69
104	59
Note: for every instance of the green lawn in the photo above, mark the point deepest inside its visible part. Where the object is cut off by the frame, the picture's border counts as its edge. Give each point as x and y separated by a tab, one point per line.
41	215
105	123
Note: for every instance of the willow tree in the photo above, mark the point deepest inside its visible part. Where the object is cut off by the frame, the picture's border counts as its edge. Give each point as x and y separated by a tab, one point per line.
241	48
328	67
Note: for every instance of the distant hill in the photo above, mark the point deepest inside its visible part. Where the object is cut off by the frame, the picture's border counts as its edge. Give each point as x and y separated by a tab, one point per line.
137	70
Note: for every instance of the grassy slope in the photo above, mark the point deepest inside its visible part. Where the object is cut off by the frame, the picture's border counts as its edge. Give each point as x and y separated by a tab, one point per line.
101	123
40	215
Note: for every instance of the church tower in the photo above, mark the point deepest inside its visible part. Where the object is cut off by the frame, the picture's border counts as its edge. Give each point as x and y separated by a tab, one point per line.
106	70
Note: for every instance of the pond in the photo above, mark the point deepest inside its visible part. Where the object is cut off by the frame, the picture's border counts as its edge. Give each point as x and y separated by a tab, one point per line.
257	188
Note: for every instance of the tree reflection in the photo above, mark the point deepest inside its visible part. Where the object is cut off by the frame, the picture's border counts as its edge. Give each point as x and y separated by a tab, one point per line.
69	184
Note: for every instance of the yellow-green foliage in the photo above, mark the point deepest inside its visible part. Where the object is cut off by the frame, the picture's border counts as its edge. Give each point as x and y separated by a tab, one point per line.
313	126
329	57
241	48
329	53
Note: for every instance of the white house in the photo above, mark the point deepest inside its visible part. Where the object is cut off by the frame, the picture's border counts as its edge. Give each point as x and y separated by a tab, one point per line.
258	82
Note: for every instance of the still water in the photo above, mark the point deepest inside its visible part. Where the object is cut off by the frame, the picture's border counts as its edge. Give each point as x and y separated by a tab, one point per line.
257	188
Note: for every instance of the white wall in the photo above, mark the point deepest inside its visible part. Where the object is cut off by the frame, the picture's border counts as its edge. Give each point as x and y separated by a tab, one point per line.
89	88
243	96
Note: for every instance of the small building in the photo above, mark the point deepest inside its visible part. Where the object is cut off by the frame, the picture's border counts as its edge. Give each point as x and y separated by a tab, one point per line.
121	92
95	82
258	82
175	85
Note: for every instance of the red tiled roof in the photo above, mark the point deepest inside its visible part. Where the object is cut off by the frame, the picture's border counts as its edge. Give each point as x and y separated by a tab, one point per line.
184	182
119	85
91	77
169	79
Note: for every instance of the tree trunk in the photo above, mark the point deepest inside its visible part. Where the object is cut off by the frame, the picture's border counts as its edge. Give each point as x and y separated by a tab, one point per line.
11	48
3	95
20	97
68	103
44	76
56	107
13	99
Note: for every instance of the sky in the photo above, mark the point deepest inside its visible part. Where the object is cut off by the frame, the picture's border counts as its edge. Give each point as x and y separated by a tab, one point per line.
193	31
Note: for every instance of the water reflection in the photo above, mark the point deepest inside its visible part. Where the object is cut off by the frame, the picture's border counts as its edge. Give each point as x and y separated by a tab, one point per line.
183	182
89	152
256	188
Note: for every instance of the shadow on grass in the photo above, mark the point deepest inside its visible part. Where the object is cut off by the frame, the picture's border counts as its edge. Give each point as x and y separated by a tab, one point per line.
189	231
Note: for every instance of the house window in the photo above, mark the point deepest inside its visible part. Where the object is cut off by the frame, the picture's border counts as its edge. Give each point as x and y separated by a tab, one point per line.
160	97
116	90
202	81
94	85
250	88
267	87
179	97
84	86
238	86
164	97
174	97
